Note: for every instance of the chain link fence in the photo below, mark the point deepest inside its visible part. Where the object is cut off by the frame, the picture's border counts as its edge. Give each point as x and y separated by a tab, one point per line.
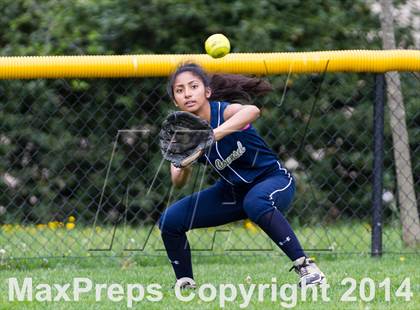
81	173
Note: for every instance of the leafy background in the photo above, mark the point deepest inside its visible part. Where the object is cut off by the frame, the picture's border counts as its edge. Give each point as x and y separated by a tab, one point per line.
57	136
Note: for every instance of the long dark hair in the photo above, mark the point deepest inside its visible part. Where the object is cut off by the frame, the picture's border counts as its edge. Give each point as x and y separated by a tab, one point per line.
228	87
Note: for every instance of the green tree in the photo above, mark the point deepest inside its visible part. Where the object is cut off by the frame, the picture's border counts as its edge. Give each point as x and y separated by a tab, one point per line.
58	135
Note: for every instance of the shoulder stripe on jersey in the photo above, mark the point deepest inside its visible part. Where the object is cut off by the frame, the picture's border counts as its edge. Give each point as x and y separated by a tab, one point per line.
218	115
217	150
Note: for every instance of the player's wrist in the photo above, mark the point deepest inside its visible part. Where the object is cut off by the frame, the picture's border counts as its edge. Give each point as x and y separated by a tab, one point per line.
218	134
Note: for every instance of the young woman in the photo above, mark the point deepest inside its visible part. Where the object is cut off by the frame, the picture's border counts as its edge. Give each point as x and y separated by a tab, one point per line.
253	183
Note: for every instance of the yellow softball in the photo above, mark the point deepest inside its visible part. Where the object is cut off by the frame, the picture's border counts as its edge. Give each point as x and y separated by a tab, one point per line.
217	45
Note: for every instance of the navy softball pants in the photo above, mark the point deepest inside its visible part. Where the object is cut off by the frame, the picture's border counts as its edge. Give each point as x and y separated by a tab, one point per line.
263	202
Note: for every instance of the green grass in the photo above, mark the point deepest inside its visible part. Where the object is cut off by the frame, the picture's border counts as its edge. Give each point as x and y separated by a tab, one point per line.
30	241
216	270
60	255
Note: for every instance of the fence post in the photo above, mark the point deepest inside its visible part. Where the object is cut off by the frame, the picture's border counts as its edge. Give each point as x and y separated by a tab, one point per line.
378	155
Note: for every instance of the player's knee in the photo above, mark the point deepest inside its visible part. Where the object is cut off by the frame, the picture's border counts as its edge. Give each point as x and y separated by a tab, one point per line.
254	207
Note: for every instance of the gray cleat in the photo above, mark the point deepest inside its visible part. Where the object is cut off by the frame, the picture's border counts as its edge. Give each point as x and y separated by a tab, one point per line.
308	271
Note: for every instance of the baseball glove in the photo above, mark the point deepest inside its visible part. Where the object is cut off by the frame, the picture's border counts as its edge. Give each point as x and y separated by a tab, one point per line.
184	137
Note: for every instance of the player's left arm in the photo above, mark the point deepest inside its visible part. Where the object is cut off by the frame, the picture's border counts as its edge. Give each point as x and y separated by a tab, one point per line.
236	116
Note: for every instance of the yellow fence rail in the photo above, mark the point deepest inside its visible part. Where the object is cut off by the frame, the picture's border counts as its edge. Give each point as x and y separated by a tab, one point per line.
30	67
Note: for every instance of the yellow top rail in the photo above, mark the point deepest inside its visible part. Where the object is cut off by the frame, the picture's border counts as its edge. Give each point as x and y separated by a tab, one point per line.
242	63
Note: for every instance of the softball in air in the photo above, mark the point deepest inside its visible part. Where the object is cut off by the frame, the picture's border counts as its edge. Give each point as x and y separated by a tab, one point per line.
217	45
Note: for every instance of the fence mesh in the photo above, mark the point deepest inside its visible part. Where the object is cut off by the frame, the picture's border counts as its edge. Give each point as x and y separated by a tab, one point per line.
81	172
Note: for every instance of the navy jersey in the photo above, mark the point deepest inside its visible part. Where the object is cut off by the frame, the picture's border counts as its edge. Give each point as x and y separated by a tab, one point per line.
240	157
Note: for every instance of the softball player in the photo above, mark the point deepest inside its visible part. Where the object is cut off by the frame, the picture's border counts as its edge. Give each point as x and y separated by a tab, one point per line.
253	183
